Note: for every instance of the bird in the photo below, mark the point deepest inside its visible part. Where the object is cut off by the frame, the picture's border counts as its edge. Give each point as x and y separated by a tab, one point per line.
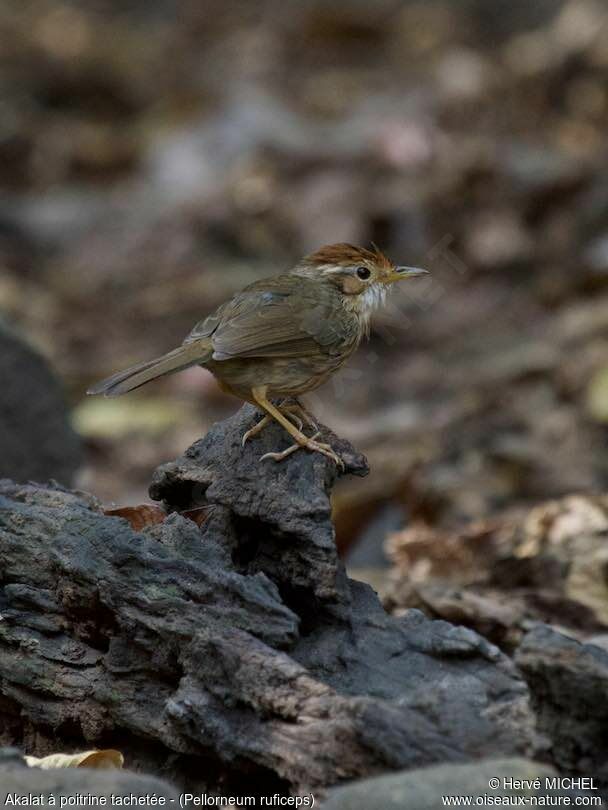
281	337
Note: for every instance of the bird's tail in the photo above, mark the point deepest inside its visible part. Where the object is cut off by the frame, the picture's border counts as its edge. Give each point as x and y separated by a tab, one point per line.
191	354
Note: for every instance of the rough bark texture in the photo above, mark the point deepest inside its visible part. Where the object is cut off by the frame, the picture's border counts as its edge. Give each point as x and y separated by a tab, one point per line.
36	441
235	655
569	681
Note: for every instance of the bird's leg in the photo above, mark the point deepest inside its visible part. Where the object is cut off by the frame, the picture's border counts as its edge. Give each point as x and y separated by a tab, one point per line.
266	420
259	395
297	409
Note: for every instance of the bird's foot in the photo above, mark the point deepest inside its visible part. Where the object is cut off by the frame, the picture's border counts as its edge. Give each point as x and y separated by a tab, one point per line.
265	421
309	444
255	430
283	455
297	409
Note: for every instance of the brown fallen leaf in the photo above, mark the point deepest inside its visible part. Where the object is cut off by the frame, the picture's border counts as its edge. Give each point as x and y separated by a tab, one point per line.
108	759
139	517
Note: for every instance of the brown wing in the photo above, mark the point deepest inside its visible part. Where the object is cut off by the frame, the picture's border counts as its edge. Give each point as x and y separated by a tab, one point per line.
285	316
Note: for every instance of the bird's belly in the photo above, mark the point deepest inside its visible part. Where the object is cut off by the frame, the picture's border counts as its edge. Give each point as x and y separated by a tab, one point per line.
284	376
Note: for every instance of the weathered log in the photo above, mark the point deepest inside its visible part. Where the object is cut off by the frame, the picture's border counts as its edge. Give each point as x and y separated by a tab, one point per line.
236	655
569	683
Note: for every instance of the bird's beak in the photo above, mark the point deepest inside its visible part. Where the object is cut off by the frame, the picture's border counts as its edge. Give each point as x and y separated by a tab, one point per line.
400	273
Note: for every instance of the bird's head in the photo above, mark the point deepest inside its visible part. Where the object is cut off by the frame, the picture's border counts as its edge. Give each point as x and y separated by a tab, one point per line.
362	276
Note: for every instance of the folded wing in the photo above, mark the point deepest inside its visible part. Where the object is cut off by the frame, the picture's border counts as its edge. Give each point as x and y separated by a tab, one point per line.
289	318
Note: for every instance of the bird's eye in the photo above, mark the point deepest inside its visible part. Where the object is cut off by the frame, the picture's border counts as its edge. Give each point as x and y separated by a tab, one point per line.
363	273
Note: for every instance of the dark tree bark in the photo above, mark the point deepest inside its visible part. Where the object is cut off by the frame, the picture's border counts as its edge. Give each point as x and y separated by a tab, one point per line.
569	681
235	655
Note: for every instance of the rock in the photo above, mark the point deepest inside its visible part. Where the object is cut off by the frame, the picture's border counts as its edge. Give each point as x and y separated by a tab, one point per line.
36	442
240	643
11	758
569	682
424	789
71	783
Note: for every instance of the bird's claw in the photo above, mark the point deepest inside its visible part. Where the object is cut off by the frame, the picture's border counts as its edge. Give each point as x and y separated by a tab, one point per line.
297	421
305	417
283	455
311	444
255	430
326	450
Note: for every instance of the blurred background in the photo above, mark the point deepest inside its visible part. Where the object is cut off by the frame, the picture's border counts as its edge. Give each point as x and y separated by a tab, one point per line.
156	156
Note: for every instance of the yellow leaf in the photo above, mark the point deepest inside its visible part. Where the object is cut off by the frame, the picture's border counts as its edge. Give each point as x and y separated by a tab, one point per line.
103	760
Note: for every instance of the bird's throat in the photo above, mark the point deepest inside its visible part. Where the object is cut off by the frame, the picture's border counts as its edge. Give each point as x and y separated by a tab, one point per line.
365	304
373	298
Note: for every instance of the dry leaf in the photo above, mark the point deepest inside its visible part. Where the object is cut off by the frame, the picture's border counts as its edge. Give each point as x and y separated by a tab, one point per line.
108	759
139	516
